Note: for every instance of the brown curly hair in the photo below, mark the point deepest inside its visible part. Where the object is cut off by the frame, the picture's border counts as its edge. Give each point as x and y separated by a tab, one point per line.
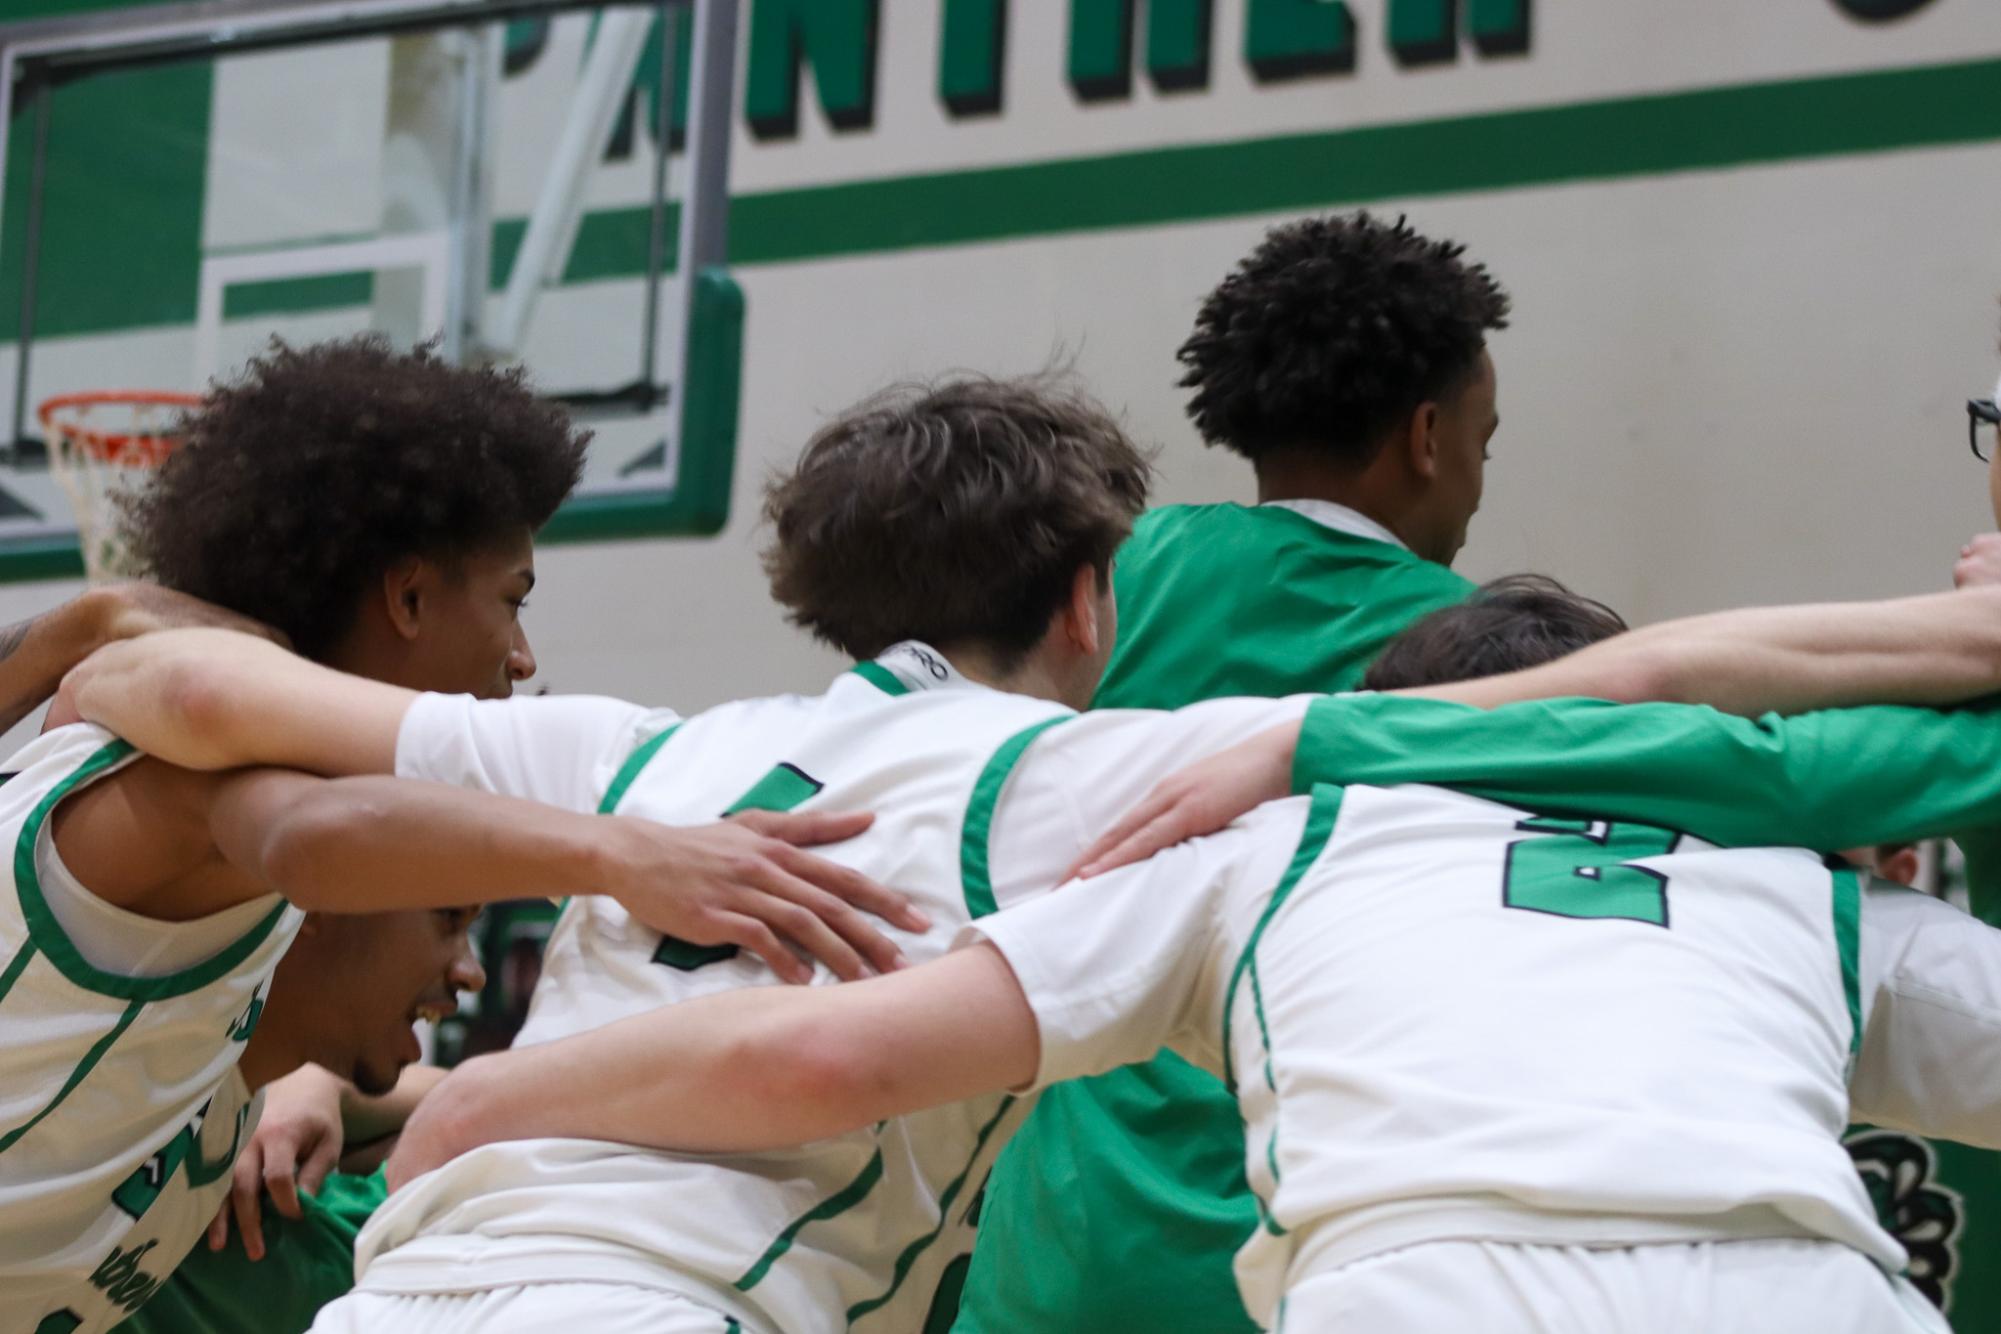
300	482
955	512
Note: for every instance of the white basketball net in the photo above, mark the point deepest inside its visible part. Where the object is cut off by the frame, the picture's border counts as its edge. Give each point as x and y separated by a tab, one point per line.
102	448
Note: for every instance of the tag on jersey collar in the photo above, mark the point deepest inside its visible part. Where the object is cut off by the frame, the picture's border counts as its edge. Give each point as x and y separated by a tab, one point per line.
914	666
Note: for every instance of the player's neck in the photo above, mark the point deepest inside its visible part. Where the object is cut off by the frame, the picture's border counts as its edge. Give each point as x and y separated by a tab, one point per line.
1375	492
1034	675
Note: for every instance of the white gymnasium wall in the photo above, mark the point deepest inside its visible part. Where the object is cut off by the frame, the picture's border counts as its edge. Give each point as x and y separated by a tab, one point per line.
1719	389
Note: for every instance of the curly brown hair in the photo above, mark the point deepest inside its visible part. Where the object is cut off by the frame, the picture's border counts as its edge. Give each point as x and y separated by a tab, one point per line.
957	512
1333	331
300	482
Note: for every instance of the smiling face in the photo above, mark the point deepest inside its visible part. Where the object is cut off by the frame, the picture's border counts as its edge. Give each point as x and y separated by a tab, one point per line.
351	987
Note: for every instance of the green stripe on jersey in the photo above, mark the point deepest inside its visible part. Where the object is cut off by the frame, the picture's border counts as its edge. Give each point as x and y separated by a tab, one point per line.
627	772
1265	1215
19	966
975	865
49	936
1848	941
945	1201
1320	818
839	1202
881	678
780	790
83	1067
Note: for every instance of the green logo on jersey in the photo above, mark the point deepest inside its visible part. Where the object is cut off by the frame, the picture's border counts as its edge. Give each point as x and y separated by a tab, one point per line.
1924	1216
138	1191
246	1023
120	1278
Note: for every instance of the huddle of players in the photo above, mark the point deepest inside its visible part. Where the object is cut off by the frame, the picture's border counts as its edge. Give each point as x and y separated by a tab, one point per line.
1376	970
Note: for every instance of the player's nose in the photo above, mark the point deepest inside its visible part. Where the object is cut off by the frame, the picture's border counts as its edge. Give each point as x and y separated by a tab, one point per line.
465	974
520	658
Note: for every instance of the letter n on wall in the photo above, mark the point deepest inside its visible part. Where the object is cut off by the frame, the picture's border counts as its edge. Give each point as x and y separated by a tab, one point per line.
836	37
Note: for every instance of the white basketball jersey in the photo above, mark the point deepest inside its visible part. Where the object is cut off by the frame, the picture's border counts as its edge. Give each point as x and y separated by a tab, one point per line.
853	1232
1447	1018
121	1109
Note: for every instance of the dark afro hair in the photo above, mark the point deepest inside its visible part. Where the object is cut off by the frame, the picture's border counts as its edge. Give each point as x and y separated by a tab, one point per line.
1333	331
300	483
1508	625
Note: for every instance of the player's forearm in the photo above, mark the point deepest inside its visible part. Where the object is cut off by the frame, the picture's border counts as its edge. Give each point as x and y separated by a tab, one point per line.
35	653
376	844
1943	648
703	1076
752	1069
215	699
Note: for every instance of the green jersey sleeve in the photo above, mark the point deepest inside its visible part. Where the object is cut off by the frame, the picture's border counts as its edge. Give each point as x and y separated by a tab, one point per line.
1835	779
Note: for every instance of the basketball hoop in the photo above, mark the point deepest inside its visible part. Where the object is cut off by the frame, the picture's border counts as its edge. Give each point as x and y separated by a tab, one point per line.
104	445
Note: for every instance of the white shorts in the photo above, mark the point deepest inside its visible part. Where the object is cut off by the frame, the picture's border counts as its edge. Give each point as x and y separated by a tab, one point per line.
535	1308
1726	1287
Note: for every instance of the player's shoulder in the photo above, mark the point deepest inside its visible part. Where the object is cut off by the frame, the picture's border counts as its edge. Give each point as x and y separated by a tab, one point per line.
62	751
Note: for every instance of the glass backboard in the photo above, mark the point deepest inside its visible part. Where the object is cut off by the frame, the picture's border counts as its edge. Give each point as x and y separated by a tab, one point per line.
515	180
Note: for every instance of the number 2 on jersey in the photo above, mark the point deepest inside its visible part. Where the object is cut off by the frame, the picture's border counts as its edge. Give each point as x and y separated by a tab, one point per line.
1582	868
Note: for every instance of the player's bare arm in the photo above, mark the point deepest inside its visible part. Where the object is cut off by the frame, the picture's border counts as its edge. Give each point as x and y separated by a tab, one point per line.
36	652
211	699
176	845
373	843
745	1070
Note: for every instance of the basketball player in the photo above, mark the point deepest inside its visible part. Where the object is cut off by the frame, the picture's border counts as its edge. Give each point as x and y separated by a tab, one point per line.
1346	361
903	519
1501	1070
378	510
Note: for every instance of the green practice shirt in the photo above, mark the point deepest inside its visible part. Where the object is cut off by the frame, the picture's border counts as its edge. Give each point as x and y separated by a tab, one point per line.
1122	1200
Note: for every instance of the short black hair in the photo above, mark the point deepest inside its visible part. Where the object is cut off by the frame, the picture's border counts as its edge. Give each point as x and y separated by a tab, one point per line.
1333	331
1508	625
955	512
300	482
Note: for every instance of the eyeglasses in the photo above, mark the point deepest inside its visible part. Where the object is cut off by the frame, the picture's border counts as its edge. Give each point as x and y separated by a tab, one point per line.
1980	412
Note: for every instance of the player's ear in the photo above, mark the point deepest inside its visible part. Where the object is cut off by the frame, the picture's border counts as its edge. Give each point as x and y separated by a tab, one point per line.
1087	627
1421	440
406	587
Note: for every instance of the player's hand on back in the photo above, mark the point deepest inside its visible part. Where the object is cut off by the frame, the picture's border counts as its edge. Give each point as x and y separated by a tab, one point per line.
747	882
1979	562
297	1143
1197	801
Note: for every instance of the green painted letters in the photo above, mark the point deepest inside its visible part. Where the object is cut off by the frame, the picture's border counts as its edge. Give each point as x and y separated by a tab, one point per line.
836	37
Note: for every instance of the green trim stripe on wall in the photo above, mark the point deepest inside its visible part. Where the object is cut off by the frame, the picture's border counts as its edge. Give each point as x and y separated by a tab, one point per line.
1608	139
1602	140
